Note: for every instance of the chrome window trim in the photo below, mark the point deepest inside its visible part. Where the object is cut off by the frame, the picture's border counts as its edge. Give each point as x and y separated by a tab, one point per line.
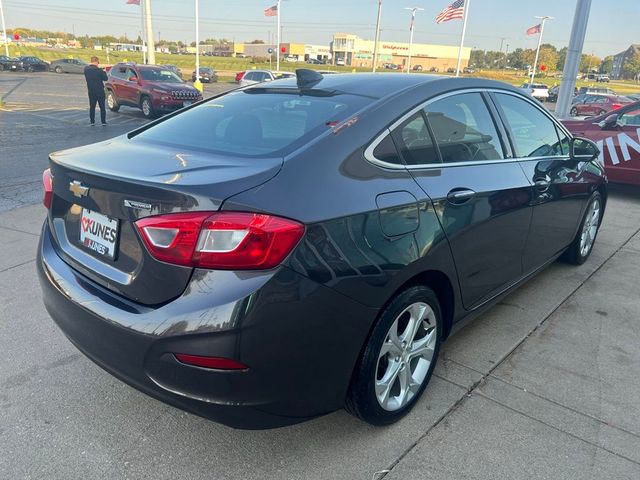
368	153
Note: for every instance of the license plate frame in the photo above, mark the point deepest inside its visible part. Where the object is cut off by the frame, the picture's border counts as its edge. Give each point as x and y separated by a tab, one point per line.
99	233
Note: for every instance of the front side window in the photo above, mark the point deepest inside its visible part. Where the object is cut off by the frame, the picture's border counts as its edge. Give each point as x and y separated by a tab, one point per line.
630	117
532	132
464	129
158	75
254	122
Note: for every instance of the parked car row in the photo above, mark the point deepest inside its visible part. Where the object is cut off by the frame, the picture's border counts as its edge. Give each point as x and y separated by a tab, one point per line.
23	64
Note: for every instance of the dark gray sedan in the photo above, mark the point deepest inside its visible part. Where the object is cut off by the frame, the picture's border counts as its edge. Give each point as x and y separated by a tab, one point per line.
302	245
68	65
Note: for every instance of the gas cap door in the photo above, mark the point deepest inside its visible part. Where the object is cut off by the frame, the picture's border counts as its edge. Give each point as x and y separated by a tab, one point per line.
398	213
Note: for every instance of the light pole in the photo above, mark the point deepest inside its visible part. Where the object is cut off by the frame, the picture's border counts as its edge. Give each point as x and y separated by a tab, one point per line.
198	84
4	31
413	20
506	57
151	49
535	62
375	44
572	62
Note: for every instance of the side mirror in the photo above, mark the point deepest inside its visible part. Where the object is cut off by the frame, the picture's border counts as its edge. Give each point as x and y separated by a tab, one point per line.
133	79
583	149
609	122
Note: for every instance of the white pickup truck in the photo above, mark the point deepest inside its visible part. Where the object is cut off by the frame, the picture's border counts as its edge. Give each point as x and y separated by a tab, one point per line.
538	91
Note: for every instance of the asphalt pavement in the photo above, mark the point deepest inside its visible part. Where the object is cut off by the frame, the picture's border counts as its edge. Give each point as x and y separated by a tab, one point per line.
44	112
543	385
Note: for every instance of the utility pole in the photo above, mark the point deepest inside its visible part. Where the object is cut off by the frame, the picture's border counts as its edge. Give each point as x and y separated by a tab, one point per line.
4	31
572	62
279	34
151	48
506	56
535	62
413	20
375	44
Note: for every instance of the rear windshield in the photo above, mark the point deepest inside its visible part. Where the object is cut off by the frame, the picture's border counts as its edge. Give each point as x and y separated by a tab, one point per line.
255	122
157	75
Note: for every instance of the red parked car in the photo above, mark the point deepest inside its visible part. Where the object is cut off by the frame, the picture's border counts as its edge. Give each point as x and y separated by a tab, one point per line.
617	135
153	88
239	76
598	105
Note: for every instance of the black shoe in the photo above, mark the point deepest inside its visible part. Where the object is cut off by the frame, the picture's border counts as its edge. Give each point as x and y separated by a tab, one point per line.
92	124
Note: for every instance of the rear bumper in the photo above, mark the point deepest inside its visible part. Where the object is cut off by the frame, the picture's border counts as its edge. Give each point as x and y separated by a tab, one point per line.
300	340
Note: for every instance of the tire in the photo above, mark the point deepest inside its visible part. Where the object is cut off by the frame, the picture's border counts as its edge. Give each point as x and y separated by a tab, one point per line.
112	102
30	69
147	107
376	394
574	112
1	67
58	69
582	244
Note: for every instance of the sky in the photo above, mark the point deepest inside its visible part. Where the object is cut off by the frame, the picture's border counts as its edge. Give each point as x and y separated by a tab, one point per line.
612	23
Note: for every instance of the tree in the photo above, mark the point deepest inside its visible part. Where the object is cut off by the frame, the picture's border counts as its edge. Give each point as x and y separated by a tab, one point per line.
516	58
589	62
257	42
548	57
562	57
607	64
632	66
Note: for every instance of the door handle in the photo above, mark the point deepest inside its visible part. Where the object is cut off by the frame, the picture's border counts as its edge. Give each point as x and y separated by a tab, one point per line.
458	196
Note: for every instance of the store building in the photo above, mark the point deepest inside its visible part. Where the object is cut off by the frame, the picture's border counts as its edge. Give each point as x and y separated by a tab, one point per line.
351	50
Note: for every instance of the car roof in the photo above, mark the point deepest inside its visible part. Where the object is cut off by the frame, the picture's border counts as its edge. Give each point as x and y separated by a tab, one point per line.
379	85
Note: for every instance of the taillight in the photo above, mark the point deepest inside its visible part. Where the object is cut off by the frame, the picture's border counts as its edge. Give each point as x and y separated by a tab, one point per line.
221	240
219	363
616	106
47	187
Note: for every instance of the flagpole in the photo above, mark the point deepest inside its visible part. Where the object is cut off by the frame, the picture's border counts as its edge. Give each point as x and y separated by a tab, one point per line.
413	21
4	31
535	62
278	33
375	43
143	33
464	29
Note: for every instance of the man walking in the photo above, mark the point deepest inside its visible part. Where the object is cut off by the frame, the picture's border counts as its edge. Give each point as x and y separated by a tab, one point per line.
95	77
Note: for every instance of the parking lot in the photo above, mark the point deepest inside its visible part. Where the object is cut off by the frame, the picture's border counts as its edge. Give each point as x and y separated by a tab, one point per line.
542	385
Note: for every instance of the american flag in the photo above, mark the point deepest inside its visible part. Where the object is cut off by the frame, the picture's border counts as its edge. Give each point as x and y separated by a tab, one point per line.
271	11
535	29
453	11
133	2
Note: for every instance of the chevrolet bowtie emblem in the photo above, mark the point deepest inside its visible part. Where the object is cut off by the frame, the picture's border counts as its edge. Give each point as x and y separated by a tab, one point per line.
77	189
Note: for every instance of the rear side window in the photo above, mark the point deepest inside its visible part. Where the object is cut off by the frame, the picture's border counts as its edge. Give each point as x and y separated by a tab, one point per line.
254	122
533	133
463	129
414	141
386	151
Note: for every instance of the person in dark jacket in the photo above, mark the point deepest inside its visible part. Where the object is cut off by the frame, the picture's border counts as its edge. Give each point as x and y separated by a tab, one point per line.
95	77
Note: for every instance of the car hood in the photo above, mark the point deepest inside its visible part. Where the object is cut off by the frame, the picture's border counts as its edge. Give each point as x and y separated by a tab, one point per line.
170	87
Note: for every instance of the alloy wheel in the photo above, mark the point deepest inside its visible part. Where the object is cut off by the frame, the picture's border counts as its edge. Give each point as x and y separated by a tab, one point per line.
405	356
590	227
146	107
110	100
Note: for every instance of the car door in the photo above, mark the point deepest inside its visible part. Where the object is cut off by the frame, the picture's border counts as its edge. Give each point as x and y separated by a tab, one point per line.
454	151
559	184
130	87
620	145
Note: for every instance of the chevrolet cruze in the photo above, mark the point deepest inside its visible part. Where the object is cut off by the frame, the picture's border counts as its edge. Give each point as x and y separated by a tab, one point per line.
288	249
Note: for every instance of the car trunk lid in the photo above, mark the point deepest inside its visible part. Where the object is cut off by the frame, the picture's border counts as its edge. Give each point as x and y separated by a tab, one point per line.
101	190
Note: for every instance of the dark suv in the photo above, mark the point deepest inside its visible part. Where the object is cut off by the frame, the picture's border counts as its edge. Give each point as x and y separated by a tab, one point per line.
152	88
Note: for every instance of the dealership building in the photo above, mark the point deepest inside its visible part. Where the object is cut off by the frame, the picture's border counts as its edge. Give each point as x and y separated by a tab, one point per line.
358	52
